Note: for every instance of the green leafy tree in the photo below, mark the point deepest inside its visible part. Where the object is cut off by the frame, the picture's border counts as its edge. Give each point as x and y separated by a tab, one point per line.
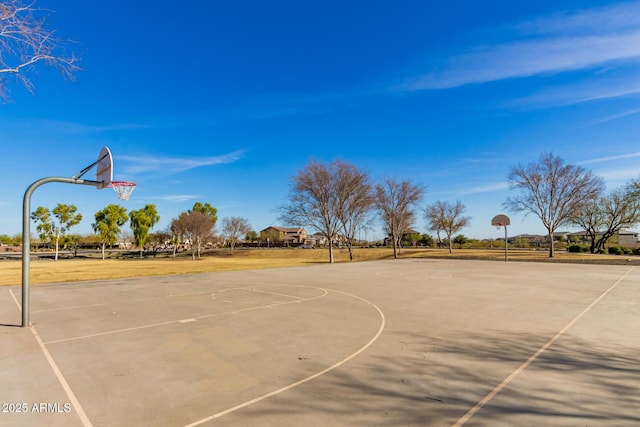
108	223
67	218
141	222
426	240
460	240
206	209
50	230
44	224
411	239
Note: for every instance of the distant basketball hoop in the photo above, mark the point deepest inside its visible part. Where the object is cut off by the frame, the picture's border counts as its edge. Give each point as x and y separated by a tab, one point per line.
123	189
502	221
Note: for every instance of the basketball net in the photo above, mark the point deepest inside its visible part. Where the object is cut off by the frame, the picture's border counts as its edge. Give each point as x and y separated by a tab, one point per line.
123	189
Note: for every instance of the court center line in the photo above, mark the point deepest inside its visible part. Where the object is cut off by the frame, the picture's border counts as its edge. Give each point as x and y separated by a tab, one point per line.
61	379
493	393
276	293
169	322
307	379
185	294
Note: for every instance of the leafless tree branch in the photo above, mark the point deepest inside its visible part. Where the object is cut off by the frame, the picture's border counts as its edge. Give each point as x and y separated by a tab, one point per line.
25	42
552	190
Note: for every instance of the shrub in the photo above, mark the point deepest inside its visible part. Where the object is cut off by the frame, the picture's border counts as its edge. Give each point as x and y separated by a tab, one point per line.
636	251
616	250
577	248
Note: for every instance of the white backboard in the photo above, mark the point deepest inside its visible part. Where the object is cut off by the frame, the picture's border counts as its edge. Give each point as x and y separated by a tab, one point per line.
500	220
104	168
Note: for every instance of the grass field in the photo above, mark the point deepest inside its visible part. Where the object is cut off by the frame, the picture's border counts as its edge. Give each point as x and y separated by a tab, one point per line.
76	269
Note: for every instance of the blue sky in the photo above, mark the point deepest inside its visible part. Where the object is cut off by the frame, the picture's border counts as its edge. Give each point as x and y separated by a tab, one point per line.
222	102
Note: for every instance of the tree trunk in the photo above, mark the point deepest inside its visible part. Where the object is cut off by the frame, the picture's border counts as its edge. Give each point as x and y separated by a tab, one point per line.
350	250
550	243
103	247
395	246
330	251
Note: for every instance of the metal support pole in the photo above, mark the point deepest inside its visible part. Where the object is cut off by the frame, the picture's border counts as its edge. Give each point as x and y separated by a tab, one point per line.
26	237
506	244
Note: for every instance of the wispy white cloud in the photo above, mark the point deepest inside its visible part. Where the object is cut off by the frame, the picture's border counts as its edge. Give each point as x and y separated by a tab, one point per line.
563	42
603	88
612	158
622	16
178	198
170	165
68	127
618	175
612	117
497	186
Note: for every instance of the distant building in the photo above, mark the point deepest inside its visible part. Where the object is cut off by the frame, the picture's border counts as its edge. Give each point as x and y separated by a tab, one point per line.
284	235
627	238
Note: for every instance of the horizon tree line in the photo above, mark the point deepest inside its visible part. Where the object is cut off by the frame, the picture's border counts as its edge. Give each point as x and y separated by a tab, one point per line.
337	197
339	200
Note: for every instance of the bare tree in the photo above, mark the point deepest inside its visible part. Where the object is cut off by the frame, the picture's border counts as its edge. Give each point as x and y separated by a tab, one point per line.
395	202
355	200
233	229
25	41
603	218
195	227
553	191
447	217
313	200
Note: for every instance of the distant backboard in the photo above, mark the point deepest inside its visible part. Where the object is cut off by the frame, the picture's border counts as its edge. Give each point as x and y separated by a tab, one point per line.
104	168
500	220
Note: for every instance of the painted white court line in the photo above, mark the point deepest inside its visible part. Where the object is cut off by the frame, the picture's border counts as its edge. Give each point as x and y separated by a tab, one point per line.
466	417
63	382
16	300
67	308
116	331
184	294
275	293
61	379
260	307
169	322
307	379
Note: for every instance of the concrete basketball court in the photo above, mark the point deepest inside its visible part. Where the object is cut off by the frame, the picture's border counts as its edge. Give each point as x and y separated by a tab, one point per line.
390	343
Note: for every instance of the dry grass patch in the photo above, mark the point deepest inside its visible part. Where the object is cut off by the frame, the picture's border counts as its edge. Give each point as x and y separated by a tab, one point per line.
69	270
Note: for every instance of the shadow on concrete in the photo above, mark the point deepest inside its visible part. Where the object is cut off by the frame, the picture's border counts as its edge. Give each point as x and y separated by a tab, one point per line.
427	381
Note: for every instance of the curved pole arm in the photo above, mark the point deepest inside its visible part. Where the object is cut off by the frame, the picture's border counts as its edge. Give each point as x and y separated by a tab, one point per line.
26	238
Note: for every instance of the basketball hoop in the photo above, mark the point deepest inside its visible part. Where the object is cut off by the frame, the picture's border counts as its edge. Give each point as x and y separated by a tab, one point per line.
123	189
